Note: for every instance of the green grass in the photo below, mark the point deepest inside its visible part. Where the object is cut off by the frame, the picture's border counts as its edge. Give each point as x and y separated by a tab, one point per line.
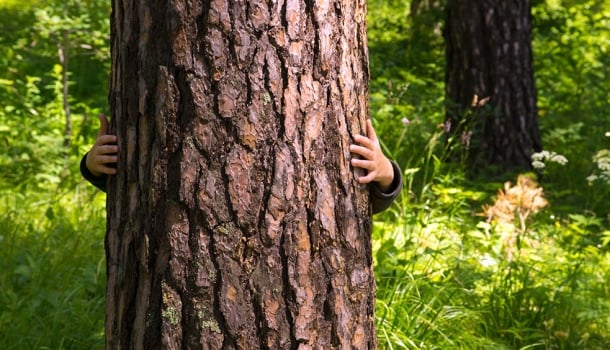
448	279
53	271
443	278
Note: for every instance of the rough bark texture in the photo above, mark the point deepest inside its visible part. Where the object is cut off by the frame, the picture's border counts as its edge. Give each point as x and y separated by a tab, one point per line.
234	221
489	54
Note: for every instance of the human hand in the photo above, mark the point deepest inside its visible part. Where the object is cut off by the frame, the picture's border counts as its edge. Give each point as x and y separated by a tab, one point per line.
378	167
104	152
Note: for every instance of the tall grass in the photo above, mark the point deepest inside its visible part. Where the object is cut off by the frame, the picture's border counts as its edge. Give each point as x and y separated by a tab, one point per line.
53	270
538	282
459	268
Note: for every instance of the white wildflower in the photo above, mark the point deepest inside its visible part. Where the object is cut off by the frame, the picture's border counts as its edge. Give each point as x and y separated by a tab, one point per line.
538	156
558	158
487	261
538	164
602	161
539	159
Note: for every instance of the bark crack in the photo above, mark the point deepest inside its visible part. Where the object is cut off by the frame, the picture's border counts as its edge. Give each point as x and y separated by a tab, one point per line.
329	315
277	101
228	338
287	291
313	225
259	315
311	14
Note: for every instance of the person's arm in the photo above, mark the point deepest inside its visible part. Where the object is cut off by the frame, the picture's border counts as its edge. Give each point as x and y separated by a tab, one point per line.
382	199
100	161
97	181
382	175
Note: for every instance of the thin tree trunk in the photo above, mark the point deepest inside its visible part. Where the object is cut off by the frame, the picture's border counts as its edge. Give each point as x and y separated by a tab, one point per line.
63	49
419	7
489	54
234	221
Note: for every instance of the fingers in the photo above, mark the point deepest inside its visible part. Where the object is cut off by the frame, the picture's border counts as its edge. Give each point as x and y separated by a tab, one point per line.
100	156
369	166
370	131
364	141
105	169
106	158
103	125
102	160
108	170
100	163
368	149
106	150
103	155
110	140
370	177
364	152
363	164
106	140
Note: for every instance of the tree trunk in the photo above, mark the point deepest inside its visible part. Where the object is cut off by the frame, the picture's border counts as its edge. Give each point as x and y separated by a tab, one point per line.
419	7
489	54
63	49
234	221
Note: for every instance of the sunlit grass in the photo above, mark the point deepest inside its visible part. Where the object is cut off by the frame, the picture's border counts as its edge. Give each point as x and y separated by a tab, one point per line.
448	278
53	271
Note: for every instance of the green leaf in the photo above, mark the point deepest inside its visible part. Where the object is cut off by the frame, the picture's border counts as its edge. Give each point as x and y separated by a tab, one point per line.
49	213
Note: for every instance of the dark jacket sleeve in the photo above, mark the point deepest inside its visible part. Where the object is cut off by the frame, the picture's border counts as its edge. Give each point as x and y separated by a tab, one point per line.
380	200
99	182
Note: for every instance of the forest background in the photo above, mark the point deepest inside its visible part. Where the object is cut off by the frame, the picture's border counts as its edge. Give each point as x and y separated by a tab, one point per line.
535	276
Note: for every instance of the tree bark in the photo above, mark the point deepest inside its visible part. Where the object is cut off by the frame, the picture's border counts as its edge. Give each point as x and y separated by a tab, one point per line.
234	221
63	50
489	54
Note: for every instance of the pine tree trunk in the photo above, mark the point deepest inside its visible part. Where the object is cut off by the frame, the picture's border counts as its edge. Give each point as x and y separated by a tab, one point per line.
489	54
234	221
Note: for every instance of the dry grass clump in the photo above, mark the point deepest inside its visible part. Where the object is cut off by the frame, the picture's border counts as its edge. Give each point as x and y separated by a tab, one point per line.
512	208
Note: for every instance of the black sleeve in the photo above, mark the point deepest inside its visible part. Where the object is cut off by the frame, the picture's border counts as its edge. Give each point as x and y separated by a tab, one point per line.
380	200
99	182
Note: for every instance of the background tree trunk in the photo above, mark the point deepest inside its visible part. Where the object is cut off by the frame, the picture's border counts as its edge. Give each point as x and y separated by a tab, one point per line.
234	221
63	50
488	48
419	7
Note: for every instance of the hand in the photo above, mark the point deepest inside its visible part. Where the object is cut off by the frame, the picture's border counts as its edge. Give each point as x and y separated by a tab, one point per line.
104	152
378	166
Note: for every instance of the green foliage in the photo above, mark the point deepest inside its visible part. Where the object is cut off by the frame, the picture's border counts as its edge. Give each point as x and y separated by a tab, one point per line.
32	117
571	47
53	270
33	35
419	306
445	277
51	223
450	279
407	67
